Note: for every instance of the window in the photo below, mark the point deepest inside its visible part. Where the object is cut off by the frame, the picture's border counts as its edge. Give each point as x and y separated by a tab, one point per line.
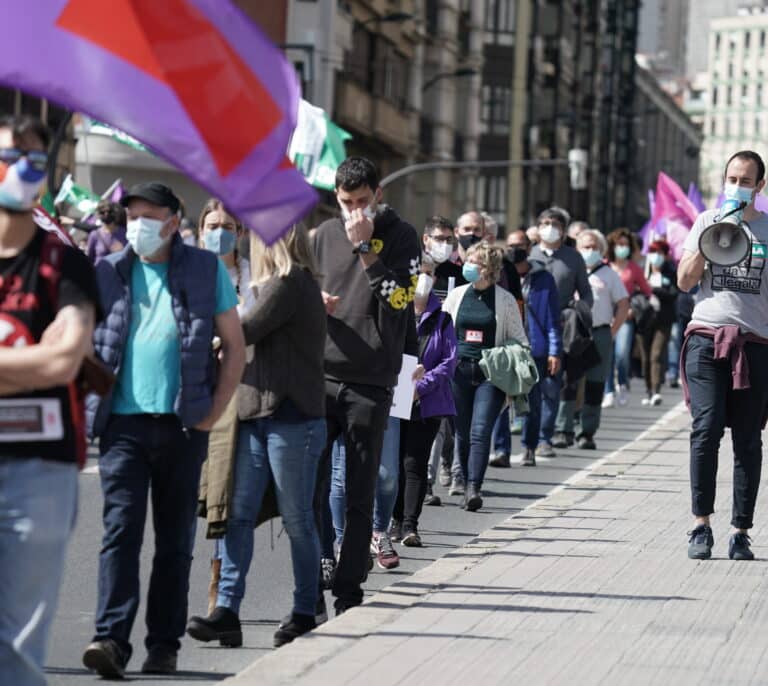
744	94
717	42
492	196
762	40
496	108
500	20
729	96
714	97
757	125
730	70
712	127
746	40
759	94
727	127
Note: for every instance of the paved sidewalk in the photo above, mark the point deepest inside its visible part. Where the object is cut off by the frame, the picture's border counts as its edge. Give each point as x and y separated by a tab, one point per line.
589	585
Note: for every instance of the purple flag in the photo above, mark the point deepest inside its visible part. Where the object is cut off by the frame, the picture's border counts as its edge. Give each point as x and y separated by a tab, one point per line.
194	80
694	195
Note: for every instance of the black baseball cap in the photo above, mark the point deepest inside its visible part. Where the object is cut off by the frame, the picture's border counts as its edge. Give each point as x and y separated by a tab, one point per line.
154	192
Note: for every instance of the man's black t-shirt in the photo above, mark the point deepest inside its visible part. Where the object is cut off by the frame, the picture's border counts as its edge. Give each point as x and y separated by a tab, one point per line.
26	310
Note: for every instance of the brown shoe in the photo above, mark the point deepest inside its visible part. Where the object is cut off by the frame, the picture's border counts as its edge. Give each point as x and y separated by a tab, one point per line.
213	586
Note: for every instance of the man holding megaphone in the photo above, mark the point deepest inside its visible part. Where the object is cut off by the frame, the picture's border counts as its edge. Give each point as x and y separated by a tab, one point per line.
724	361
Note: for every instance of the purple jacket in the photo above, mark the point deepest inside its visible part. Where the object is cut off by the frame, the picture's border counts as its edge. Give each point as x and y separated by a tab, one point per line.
437	340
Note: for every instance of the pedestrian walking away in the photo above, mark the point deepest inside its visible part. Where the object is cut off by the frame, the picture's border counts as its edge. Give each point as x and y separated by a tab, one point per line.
724	362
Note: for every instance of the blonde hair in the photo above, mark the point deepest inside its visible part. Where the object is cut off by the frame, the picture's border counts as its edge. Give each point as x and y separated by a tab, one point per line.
490	256
279	258
599	238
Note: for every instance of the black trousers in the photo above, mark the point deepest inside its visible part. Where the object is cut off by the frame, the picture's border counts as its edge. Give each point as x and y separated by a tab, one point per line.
416	437
714	404
359	413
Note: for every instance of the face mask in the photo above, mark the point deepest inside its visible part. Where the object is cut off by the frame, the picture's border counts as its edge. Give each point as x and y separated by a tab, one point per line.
591	256
517	255
143	234
190	240
468	241
423	286
549	233
220	241
368	213
655	259
470	272
20	185
440	252
733	191
622	251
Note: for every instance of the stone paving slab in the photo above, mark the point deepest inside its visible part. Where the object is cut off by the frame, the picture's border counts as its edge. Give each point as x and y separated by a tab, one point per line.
590	585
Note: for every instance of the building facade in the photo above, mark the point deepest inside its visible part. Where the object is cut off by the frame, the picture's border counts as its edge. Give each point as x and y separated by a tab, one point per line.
736	116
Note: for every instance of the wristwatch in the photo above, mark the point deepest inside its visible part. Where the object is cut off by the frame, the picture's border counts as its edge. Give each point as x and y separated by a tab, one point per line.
363	247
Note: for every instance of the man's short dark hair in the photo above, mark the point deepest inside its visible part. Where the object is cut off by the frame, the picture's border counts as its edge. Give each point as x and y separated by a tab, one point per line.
747	155
554	213
356	172
438	222
24	125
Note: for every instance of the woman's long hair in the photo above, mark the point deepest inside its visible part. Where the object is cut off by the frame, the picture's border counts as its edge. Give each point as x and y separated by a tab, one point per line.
277	259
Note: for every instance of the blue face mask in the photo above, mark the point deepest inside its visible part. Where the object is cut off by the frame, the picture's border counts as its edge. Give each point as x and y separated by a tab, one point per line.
591	256
655	259
471	272
733	191
220	241
622	252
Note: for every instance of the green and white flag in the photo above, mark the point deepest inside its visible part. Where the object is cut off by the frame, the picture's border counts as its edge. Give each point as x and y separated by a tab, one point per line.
317	146
80	198
100	129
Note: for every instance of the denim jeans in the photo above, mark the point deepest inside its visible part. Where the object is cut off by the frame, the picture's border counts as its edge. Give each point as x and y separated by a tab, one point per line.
359	412
386	482
621	358
477	407
502	435
673	350
38	502
543	399
713	405
289	451
139	451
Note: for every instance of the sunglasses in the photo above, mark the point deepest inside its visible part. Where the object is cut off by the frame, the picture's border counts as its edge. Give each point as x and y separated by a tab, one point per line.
38	159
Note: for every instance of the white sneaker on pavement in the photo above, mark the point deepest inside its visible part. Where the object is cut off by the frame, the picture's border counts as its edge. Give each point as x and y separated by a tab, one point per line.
609	400
656	399
622	397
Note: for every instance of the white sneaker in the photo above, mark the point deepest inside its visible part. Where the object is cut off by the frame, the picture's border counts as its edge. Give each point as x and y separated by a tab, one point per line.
656	400
622	397
608	400
645	401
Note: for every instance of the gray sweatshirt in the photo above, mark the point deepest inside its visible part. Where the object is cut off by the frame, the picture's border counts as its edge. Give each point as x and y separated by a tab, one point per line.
569	270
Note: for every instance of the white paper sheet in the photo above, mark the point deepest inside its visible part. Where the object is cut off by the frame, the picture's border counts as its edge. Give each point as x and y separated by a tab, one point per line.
402	399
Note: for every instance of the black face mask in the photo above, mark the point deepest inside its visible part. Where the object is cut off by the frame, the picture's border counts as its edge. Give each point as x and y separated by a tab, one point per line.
468	241
517	255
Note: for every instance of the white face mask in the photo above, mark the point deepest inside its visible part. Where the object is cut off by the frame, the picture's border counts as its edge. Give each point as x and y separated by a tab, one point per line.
368	213
143	234
423	285
549	233
440	252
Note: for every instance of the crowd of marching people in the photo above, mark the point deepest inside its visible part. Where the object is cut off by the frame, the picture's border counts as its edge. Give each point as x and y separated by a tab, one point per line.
236	380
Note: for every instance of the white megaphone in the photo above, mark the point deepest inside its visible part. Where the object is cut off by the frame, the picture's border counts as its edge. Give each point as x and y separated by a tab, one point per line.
725	243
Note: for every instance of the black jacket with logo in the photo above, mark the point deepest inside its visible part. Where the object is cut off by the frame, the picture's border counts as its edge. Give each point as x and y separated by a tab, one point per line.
367	332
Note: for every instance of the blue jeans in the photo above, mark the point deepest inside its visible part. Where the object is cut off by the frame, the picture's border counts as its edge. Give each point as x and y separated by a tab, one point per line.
543	400
38	502
502	436
673	351
477	406
386	482
290	451
139	451
622	354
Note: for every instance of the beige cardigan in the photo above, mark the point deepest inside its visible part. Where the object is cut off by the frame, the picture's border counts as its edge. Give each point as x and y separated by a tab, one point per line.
509	324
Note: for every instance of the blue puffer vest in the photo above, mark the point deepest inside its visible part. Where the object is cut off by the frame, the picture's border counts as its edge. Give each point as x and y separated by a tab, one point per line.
192	283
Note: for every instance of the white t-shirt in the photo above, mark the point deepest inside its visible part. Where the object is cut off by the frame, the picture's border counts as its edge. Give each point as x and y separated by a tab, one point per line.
242	284
607	290
735	295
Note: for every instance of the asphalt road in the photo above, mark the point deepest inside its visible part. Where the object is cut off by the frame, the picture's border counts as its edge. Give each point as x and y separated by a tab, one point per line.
268	596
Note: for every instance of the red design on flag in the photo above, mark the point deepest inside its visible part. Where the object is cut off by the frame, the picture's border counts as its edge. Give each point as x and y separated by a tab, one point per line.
175	44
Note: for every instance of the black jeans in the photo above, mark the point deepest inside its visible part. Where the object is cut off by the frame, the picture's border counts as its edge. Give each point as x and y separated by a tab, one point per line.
139	451
416	438
714	404
359	413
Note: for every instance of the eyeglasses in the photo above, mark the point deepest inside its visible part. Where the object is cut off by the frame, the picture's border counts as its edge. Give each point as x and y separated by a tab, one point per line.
37	159
442	239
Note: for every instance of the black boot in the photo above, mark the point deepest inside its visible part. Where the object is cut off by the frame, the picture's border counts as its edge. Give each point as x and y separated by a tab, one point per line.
473	500
221	625
297	626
